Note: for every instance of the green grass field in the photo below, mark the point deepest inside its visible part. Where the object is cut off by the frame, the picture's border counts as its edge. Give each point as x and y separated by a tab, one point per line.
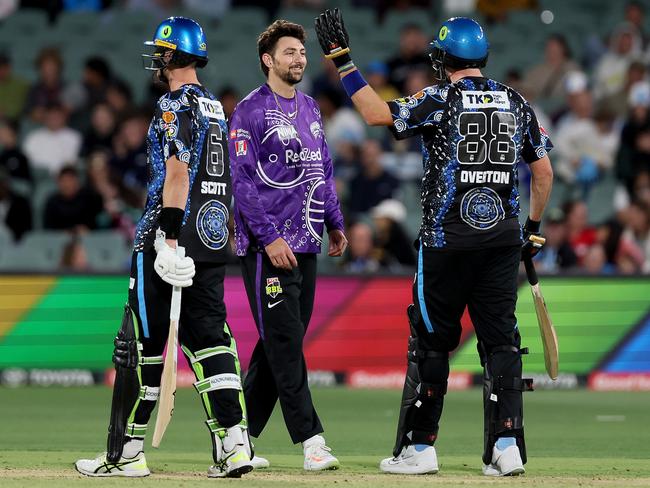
575	438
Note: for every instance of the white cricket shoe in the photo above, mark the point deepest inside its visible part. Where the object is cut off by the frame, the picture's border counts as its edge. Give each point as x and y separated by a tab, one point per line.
135	467
234	460
259	462
317	455
506	462
410	461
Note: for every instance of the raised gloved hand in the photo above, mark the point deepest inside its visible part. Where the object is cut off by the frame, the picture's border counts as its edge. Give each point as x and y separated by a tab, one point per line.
533	240
173	268
333	37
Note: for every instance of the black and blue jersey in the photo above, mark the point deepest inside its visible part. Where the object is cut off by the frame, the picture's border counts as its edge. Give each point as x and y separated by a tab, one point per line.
474	133
189	123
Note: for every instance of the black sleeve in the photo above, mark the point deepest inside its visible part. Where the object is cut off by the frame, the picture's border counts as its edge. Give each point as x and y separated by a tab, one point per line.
536	140
411	114
173	122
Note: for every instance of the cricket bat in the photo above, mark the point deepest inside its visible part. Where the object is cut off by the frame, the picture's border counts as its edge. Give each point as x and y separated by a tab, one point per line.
546	329
168	379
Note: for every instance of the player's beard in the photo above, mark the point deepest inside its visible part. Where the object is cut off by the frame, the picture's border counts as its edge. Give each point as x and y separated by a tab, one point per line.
289	77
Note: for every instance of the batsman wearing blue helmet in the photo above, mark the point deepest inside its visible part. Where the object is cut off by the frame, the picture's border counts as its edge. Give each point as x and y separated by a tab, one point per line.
475	131
187	206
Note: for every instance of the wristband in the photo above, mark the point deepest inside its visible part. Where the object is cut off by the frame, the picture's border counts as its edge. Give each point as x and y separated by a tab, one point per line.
353	82
170	221
347	67
532	226
341	57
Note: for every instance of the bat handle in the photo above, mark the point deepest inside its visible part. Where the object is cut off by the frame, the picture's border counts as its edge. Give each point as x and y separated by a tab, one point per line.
175	308
531	273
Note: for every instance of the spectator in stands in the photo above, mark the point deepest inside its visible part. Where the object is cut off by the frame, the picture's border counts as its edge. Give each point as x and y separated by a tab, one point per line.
12	159
130	151
48	89
55	145
229	98
393	247
635	16
99	136
633	154
580	234
617	103
622	253
497	10
557	254
119	97
594	260
82	96
121	208
637	230
586	148
412	56
13	90
15	211
624	48
340	123
74	257
372	184
328	82
359	258
377	75
544	82
72	207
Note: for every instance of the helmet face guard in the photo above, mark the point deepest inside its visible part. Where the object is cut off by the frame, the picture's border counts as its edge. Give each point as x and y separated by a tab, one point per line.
154	61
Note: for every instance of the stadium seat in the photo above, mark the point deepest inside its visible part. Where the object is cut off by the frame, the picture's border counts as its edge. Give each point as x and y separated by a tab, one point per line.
38	251
106	251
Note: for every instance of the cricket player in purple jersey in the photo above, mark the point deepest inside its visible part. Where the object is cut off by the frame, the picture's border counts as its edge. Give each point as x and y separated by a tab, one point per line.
284	198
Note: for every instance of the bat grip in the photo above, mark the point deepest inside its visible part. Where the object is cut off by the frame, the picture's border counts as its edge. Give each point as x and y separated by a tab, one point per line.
531	273
175	308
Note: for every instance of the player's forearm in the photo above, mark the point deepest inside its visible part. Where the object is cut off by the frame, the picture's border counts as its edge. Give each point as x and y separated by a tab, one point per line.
541	183
177	184
372	108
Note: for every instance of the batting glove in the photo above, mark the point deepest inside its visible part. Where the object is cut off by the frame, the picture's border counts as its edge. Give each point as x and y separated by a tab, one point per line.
333	37
173	269
532	246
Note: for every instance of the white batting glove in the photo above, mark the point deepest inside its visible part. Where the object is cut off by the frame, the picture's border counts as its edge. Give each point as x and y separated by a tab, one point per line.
173	269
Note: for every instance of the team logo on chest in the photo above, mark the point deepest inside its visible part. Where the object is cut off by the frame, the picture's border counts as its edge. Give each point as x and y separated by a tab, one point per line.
279	124
212	224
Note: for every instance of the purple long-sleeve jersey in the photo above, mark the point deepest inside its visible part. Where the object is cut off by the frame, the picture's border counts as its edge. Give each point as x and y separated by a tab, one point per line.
281	172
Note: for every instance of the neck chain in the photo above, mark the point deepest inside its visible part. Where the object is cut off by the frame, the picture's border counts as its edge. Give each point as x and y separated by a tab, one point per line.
277	102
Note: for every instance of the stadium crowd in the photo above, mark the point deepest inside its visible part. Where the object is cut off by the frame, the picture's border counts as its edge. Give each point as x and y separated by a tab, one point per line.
89	135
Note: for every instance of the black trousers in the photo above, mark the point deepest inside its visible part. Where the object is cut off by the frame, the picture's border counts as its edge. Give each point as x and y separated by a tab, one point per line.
446	282
202	325
484	280
282	302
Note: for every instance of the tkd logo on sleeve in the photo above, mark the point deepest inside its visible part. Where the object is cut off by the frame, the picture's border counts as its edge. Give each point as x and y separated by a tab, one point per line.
273	288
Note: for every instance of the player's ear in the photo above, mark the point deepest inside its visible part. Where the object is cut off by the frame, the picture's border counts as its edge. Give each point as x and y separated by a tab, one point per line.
267	59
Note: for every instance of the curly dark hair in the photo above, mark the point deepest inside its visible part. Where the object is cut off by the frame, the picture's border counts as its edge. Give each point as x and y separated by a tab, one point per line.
268	39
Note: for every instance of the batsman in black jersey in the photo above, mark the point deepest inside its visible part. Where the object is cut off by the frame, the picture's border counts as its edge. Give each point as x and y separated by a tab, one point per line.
188	203
475	132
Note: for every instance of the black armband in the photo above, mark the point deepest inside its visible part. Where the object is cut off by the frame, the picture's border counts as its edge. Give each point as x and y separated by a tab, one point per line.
532	225
170	221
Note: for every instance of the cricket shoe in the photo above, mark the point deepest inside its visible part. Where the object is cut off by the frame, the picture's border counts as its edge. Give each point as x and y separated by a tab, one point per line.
505	461
318	456
135	467
412	461
259	462
234	460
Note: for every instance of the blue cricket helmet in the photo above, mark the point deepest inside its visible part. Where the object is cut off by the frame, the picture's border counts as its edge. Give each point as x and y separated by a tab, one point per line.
183	36
460	43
